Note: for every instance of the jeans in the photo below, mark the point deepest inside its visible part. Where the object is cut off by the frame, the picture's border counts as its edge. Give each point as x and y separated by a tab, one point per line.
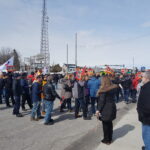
43	105
93	100
16	105
36	109
49	108
126	94
146	136
80	102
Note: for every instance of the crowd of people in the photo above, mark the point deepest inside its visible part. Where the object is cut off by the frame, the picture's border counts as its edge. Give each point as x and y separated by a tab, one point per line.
94	95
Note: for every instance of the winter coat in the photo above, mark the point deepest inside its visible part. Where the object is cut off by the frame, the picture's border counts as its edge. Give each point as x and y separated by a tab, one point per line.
36	92
8	83
126	83
78	89
49	92
17	91
67	86
24	86
93	85
134	84
86	89
2	83
143	106
106	105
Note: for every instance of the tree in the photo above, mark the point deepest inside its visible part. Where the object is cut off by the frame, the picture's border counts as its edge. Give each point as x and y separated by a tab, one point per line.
7	53
56	68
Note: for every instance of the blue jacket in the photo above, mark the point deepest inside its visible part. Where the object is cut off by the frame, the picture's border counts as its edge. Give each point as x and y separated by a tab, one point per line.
93	85
36	92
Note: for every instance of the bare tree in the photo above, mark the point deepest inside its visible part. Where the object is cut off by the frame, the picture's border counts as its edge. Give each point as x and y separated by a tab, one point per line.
7	53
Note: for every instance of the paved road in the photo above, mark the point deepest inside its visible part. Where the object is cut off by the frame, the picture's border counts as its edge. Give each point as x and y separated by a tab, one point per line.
66	134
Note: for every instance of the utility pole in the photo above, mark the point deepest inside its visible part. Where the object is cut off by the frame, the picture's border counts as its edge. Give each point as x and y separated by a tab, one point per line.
133	66
67	58
76	49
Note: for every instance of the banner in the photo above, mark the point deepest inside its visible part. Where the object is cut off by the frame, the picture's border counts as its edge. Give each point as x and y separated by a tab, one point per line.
9	62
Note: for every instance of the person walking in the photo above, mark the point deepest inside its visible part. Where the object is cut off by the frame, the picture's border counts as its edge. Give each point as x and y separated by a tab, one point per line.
50	95
106	110
143	109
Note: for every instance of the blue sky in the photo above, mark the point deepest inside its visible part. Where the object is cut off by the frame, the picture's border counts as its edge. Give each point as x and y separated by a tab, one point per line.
109	31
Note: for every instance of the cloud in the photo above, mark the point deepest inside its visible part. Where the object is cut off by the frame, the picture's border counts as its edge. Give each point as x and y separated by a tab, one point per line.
146	24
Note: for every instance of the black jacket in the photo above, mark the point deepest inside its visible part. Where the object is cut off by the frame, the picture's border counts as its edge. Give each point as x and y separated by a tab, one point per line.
107	106
8	83
1	84
49	92
143	106
126	83
17	87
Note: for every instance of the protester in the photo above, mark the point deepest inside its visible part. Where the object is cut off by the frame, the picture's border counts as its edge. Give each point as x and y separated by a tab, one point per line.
17	94
93	85
66	94
134	89
143	108
106	111
25	92
8	89
1	86
126	84
42	96
86	93
49	96
36	98
78	94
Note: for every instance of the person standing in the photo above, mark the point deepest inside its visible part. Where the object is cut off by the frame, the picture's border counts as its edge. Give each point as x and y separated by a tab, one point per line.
36	98
143	109
8	89
1	86
25	92
66	93
126	84
17	94
78	94
50	95
93	85
106	110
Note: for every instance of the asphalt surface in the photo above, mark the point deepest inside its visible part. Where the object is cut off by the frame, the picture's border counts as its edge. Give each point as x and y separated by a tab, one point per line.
66	134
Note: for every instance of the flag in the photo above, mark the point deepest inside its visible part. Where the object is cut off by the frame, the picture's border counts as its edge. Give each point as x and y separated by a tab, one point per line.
9	62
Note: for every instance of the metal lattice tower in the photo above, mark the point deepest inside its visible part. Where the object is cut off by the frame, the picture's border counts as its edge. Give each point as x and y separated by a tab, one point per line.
44	37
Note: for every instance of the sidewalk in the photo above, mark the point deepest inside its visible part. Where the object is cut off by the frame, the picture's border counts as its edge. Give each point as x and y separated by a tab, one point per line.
127	134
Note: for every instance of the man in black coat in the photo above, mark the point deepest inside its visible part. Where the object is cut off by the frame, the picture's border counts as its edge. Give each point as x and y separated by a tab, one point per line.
25	92
143	108
50	95
8	89
1	86
17	94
